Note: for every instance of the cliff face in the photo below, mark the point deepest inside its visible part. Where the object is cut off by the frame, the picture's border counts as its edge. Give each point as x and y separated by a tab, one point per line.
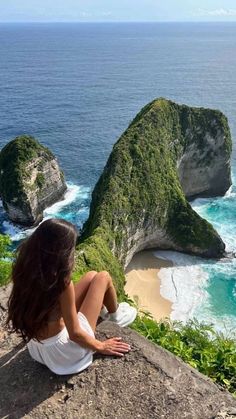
30	180
204	163
168	152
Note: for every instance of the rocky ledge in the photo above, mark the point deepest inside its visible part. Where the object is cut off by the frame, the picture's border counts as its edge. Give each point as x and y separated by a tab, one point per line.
30	180
149	382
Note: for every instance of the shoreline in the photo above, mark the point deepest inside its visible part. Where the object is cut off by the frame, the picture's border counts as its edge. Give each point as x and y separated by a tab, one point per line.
143	284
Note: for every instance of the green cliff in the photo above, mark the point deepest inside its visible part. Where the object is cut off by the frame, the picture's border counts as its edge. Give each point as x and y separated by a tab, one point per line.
30	179
139	201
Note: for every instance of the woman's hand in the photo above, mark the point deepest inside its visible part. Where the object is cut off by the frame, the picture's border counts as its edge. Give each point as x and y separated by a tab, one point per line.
114	346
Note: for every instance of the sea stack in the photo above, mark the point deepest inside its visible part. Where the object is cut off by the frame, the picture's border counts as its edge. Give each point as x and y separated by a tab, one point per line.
169	153
30	180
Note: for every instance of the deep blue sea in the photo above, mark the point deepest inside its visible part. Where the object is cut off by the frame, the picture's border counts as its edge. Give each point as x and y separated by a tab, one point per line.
76	87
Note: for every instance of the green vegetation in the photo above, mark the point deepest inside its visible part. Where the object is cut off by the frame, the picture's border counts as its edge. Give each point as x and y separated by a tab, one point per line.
14	158
196	344
139	186
185	223
5	255
40	180
94	254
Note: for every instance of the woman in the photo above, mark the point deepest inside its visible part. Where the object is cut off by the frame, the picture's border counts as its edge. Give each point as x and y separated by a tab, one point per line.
56	318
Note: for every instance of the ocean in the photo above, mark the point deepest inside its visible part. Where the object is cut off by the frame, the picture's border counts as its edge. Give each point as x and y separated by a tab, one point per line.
76	87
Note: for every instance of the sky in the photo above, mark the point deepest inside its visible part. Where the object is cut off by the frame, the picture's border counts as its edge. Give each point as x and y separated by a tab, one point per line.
116	10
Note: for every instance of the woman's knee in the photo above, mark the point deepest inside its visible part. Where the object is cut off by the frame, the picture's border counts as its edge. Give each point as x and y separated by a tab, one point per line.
88	277
103	276
92	273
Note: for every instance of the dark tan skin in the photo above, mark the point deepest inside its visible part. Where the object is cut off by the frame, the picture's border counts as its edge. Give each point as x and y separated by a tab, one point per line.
88	296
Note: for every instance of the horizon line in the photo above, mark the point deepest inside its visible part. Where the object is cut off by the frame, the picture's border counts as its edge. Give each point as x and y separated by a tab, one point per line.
115	21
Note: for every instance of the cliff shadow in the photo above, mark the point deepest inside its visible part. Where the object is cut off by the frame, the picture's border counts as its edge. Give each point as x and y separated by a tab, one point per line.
146	259
25	383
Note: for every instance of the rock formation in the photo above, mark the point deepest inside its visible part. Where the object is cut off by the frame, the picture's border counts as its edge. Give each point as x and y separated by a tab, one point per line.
139	202
168	152
148	382
204	163
30	180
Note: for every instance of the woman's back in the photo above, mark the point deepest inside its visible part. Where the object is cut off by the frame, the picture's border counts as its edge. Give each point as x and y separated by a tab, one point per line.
58	328
55	324
40	273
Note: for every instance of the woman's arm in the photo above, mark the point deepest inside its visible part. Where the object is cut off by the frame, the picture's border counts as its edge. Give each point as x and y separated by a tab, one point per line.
114	346
69	314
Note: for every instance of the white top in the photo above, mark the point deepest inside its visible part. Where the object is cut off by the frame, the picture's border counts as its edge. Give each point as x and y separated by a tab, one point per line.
60	354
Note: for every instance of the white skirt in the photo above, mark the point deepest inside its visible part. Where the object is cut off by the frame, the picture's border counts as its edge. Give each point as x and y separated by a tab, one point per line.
60	354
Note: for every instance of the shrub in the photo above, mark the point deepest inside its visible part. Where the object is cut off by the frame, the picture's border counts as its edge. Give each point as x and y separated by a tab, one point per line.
5	263
197	344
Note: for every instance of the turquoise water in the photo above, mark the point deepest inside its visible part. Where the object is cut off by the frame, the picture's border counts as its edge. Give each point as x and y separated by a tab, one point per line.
221	284
77	87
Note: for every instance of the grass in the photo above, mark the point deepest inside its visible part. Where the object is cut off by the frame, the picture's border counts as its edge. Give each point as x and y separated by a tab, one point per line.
5	256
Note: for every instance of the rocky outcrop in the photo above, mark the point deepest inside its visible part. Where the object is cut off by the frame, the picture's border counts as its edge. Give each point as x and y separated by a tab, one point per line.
169	152
148	382
204	164
30	180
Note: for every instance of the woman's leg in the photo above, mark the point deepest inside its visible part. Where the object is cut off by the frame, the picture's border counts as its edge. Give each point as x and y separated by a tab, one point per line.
101	290
82	287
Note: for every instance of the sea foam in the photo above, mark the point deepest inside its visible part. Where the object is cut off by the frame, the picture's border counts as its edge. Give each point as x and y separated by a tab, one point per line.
187	283
74	195
183	284
193	284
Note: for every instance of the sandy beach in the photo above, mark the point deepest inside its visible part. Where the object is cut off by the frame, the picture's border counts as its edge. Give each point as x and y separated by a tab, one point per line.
143	284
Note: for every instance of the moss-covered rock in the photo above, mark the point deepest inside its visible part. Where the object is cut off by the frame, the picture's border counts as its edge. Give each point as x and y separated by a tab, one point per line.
30	180
94	253
139	202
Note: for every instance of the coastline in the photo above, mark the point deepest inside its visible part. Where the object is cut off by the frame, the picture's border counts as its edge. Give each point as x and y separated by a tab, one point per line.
143	284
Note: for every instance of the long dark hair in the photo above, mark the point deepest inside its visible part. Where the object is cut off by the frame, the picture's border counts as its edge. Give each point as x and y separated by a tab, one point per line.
41	271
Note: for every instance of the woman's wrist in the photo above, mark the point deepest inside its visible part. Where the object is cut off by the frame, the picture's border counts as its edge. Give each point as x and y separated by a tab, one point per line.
99	346
87	341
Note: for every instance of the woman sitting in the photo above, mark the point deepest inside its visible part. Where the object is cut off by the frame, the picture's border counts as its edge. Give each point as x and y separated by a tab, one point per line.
55	317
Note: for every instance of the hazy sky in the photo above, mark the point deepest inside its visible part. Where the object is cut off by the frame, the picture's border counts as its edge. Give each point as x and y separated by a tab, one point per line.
117	10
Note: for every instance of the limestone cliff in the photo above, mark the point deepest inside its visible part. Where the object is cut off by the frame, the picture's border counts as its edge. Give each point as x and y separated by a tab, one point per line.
139	202
30	180
204	162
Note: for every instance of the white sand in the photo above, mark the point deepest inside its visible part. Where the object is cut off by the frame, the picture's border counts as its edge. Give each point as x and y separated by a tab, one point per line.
143	284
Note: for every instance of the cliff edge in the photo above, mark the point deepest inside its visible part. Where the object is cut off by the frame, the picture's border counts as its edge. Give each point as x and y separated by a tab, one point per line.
30	180
149	382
